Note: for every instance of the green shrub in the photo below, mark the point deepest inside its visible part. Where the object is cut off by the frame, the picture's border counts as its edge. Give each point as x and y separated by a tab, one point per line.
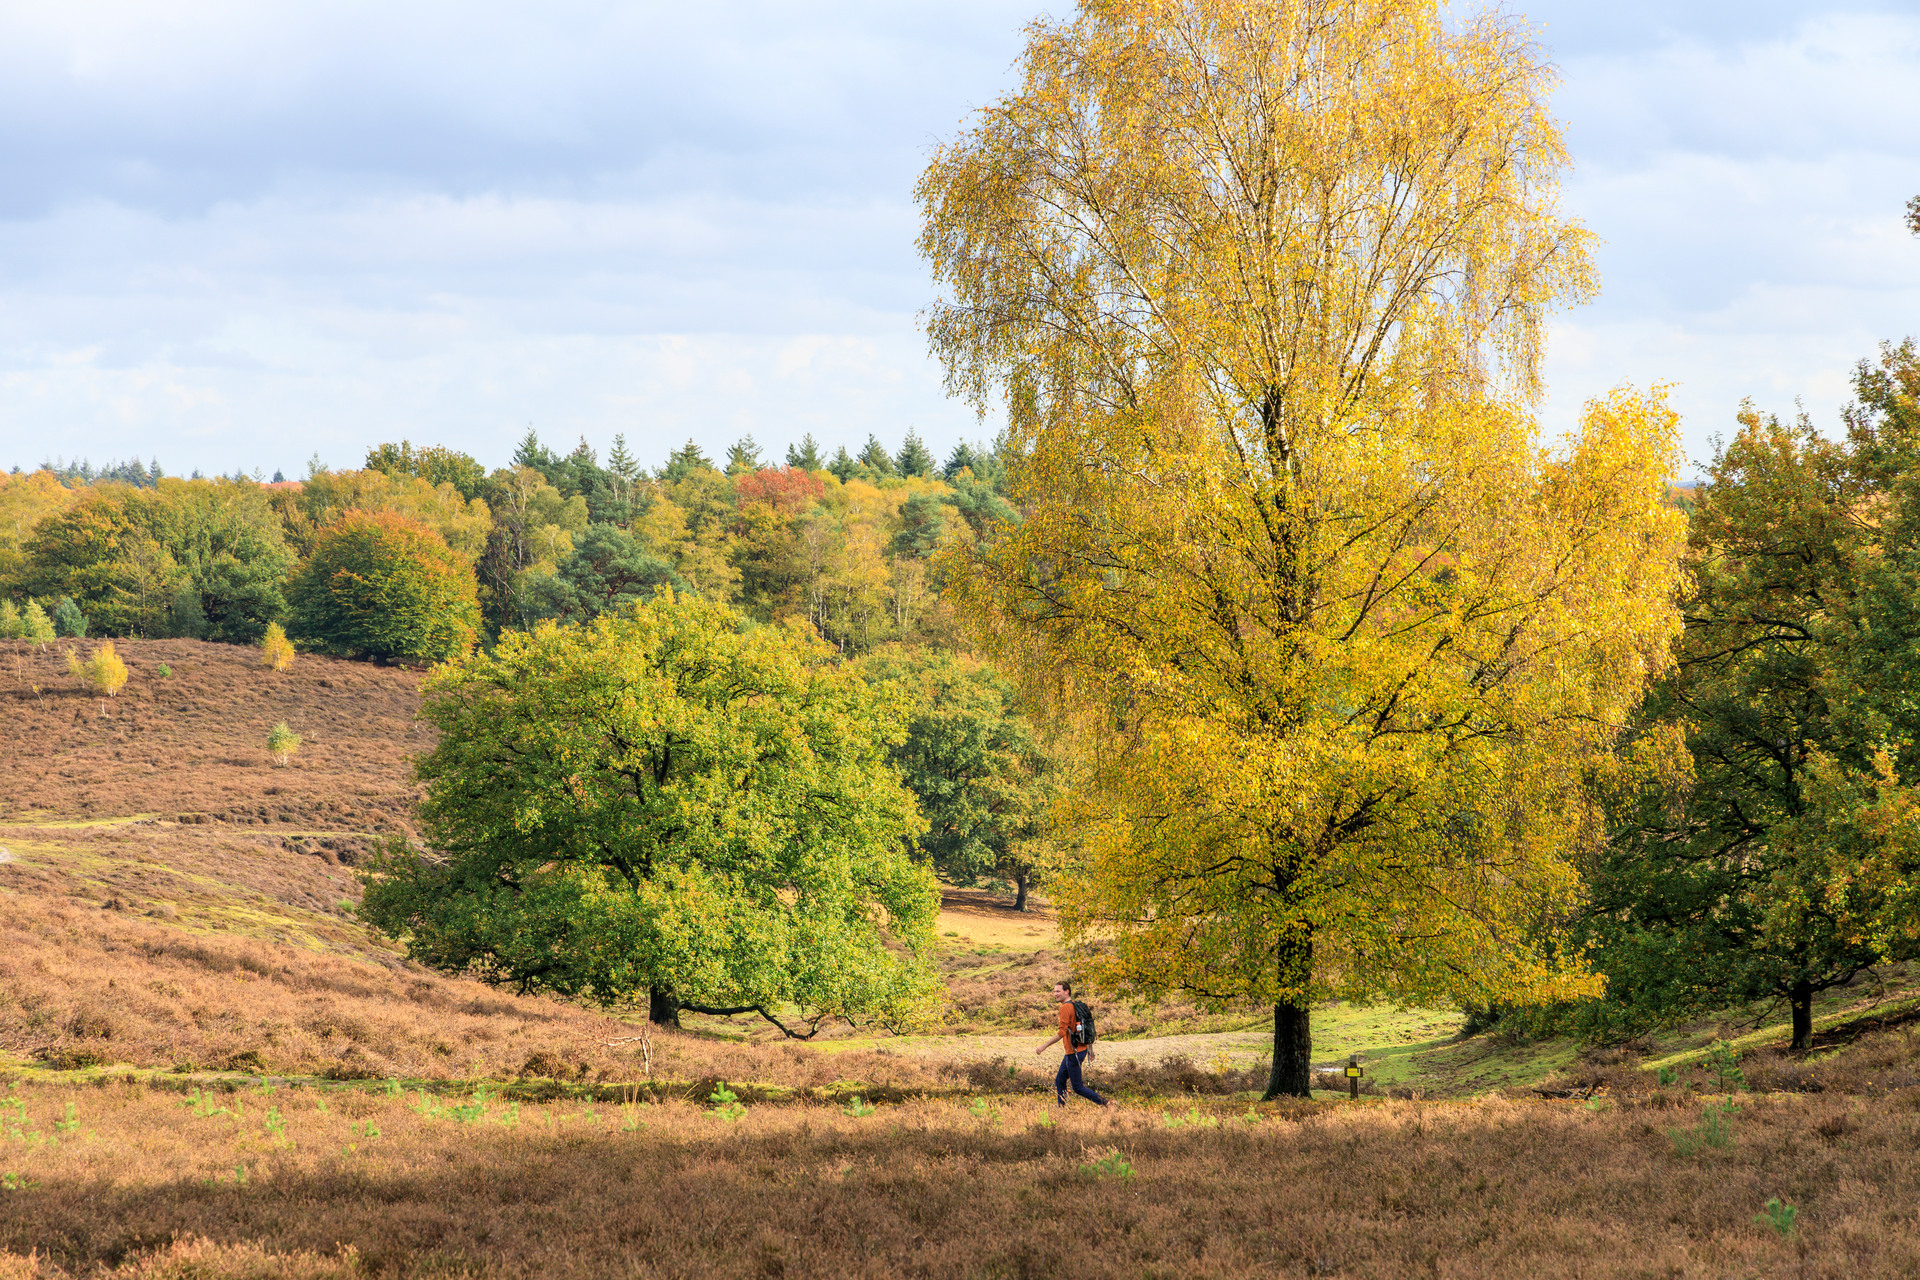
12	625
385	587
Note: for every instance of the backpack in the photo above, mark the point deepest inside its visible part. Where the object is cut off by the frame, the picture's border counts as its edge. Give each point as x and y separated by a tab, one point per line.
1082	1026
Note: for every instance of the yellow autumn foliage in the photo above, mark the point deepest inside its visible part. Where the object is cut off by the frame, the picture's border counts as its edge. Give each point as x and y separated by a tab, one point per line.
102	672
1263	289
276	651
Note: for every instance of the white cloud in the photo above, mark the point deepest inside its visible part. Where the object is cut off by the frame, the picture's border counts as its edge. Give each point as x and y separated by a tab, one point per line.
1749	193
235	233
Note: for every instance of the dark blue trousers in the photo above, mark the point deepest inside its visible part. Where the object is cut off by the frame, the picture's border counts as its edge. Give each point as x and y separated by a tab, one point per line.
1069	1073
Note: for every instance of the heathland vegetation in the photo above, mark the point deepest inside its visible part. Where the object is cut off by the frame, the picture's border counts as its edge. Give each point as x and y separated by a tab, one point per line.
423	834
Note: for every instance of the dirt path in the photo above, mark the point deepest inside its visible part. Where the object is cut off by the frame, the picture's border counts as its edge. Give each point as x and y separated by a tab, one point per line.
1224	1048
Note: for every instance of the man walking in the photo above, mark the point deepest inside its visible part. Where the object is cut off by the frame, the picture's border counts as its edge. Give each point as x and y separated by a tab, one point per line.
1076	1050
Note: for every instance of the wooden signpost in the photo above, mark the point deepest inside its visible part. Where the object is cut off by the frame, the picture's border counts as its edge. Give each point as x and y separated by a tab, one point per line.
1353	1076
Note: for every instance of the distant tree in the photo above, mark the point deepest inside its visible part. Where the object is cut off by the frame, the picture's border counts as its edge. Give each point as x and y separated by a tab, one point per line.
874	457
672	805
843	467
621	463
436	464
981	506
25	500
279	476
533	528
189	616
976	766
12	625
743	457
921	518
683	462
607	570
531	453
126	555
384	587
282	742
68	621
806	454
977	459
913	459
625	473
790	489
276	651
39	627
102	672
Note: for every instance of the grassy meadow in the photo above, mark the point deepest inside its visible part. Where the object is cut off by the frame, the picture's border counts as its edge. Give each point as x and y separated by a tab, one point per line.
209	1068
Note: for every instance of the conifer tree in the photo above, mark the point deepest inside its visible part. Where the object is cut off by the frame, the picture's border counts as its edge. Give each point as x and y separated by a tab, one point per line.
743	457
914	460
875	458
68	622
806	454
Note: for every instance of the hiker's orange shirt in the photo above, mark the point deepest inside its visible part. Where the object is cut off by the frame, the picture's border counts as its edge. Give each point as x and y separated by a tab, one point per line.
1066	1026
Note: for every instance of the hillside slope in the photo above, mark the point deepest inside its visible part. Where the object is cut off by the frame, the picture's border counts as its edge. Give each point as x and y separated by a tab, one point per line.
172	898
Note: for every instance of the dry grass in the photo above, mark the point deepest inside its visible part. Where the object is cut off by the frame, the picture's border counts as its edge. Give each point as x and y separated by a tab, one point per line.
194	742
260	1184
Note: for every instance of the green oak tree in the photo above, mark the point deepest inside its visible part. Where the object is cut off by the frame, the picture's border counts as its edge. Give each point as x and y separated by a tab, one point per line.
673	805
1777	858
974	760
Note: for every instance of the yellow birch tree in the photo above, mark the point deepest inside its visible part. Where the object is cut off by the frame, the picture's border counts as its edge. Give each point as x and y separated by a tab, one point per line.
1263	287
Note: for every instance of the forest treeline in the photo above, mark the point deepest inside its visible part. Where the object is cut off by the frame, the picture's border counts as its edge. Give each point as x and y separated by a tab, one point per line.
449	554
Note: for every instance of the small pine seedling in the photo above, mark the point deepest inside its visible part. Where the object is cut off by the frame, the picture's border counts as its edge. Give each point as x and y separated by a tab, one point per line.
726	1104
282	742
1725	1065
859	1107
1777	1215
1111	1165
166	672
276	651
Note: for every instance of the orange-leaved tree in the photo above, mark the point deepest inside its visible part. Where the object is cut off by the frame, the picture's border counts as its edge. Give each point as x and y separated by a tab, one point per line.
380	585
1263	290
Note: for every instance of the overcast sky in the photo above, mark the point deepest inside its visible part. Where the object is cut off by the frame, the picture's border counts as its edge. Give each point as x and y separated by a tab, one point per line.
241	234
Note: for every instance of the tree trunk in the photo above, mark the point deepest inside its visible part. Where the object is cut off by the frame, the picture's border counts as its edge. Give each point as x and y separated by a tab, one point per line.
663	1008
1292	1054
1801	1001
1019	893
1292	1038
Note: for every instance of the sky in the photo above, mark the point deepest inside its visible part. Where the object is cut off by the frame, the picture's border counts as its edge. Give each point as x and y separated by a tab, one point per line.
246	236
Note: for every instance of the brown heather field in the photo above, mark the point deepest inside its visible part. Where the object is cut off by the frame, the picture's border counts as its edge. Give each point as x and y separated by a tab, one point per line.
209	1069
146	1183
